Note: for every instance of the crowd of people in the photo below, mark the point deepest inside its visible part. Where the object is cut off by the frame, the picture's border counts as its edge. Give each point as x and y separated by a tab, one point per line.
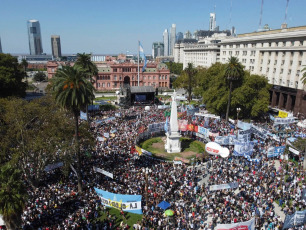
56	203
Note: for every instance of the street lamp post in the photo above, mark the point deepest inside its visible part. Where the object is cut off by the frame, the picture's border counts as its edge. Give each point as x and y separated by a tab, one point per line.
238	111
146	171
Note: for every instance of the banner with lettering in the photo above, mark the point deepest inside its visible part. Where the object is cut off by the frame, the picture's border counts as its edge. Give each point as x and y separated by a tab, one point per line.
294	220
223	186
156	127
282	114
128	203
247	225
243	148
226	140
284	121
203	131
275	151
103	172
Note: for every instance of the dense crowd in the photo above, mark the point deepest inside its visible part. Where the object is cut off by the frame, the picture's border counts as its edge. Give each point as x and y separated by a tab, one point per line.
56	203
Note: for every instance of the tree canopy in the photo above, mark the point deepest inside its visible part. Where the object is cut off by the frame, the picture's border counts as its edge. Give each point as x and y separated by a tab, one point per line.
11	76
251	94
175	68
39	76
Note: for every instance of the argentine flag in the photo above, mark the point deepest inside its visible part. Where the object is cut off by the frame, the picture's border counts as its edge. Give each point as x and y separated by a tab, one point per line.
143	56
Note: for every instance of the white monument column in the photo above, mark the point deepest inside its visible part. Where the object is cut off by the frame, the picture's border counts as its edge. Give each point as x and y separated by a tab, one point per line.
173	144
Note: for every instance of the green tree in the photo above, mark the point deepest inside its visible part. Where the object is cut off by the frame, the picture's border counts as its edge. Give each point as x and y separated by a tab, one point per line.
24	64
89	68
304	75
251	93
187	80
39	76
11	77
13	196
175	68
73	92
233	72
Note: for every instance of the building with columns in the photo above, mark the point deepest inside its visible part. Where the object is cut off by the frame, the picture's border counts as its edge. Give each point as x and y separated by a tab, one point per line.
280	56
113	75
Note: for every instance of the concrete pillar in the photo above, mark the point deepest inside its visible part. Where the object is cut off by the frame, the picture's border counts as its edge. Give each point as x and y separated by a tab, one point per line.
274	97
281	100
289	102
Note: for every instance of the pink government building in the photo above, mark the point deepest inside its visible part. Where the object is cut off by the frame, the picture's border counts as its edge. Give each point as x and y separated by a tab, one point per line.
113	75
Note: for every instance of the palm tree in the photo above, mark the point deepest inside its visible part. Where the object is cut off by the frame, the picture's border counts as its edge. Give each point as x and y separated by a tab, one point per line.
88	67
13	196
304	75
73	92
233	72
24	64
191	72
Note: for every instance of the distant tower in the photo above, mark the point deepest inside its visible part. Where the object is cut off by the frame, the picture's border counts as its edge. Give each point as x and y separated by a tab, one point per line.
56	46
157	49
212	22
187	35
34	37
172	39
166	42
0	46
179	36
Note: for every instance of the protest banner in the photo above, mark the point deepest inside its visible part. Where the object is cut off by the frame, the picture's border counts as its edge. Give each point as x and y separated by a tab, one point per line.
282	114
294	151
156	127
275	151
182	124
51	167
103	172
243	148
247	225
223	186
128	203
284	121
294	220
203	131
226	140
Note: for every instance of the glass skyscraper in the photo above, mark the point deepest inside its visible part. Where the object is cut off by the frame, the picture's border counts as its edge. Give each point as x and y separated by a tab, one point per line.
56	46
35	44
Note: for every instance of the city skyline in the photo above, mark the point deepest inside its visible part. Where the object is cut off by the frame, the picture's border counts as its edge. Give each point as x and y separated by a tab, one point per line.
93	26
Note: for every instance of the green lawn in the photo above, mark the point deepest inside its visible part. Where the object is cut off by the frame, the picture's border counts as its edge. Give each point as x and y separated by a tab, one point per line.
111	98
187	145
131	218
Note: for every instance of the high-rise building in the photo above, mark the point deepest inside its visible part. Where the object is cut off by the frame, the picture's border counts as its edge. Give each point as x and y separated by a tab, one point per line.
187	35
0	46
166	42
56	46
172	39
212	22
157	49
35	44
179	36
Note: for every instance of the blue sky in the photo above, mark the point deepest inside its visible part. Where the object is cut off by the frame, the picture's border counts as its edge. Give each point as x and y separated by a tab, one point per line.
115	26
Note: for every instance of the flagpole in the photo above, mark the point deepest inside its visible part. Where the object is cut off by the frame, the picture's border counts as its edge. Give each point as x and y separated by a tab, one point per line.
138	62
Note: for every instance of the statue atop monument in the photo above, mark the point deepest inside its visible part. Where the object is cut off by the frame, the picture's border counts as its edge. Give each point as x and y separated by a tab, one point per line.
173	144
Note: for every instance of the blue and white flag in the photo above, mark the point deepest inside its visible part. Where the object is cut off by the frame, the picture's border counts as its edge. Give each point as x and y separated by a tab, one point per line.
166	127
83	116
143	56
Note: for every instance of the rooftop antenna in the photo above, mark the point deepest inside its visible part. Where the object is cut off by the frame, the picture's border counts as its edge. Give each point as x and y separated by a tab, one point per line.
262	2
286	11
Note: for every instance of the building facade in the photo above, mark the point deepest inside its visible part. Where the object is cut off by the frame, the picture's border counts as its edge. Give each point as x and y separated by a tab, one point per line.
56	46
166	42
279	55
157	49
172	39
179	36
35	42
113	75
